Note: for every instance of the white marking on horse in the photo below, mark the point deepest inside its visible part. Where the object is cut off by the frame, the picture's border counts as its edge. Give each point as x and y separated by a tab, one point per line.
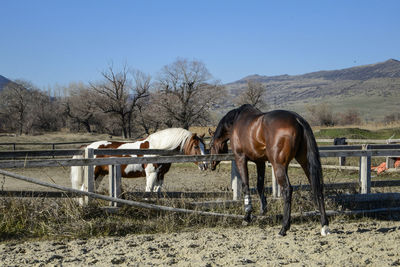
97	144
325	231
151	177
203	152
132	167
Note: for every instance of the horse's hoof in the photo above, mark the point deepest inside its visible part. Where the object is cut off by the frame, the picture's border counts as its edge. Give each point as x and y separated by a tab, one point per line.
282	232
325	230
248	208
247	217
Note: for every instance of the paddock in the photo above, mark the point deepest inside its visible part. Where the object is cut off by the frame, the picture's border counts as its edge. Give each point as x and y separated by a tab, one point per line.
352	242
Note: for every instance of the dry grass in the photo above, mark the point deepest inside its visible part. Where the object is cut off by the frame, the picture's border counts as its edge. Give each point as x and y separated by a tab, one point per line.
39	218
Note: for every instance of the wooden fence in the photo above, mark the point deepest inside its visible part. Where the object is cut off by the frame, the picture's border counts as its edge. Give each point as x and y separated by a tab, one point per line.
364	152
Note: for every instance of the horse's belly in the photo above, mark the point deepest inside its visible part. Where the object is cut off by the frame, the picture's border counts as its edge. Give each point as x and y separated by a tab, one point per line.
134	174
257	157
253	153
133	171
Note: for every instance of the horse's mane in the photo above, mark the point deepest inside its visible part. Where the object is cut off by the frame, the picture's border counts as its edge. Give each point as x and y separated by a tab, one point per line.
227	121
169	139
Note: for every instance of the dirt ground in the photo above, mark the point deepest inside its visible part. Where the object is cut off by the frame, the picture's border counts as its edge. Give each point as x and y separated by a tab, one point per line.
365	242
351	244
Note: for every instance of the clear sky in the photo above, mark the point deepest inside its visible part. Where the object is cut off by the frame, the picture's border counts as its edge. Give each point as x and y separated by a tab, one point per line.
56	42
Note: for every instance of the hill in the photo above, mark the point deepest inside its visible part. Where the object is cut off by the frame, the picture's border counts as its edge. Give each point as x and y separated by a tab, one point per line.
374	90
3	82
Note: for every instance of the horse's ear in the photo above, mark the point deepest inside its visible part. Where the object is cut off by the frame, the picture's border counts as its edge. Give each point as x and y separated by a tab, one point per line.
210	132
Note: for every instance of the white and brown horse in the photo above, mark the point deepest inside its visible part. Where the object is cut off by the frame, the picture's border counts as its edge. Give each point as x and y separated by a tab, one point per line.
168	139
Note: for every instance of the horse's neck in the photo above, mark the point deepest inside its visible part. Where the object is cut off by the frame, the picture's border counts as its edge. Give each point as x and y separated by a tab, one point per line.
225	133
169	140
186	146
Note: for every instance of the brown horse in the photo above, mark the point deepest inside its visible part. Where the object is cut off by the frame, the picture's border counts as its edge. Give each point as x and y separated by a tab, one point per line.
278	137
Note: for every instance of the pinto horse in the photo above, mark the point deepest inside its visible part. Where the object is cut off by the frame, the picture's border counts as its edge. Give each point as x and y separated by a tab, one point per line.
278	137
168	139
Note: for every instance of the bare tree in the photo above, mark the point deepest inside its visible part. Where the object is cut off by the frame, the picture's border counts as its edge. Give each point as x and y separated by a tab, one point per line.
148	115
25	109
118	96
80	106
186	93
253	94
142	85
45	112
321	114
14	103
349	117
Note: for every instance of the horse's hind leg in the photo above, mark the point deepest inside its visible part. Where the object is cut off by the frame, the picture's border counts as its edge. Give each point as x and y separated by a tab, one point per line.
260	186
286	188
317	189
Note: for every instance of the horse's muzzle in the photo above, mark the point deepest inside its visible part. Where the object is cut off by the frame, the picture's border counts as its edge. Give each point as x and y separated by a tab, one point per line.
203	166
213	165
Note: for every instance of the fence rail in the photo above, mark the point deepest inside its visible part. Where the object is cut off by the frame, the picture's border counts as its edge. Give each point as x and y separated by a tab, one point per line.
361	141
73	152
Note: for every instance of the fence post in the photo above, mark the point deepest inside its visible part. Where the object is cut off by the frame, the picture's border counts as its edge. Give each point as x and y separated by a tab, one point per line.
114	176
365	172
236	181
89	174
342	161
390	162
276	190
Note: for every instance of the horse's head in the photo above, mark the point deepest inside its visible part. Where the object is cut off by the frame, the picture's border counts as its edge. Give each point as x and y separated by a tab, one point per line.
217	146
195	146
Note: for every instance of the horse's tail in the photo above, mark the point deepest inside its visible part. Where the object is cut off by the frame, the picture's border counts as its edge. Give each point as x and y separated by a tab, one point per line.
314	161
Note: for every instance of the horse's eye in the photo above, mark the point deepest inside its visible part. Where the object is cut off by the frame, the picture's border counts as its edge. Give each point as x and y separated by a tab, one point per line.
196	147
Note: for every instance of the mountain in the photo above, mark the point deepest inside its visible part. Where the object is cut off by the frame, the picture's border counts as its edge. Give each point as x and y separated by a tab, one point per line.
373	90
3	82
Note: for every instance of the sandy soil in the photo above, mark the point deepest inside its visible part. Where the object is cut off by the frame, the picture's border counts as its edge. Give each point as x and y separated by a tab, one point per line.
351	244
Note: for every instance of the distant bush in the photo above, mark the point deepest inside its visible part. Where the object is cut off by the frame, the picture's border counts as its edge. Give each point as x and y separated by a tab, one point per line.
321	115
394	117
349	117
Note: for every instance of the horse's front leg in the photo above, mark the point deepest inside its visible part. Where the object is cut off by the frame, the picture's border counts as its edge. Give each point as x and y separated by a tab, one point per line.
260	186
241	163
151	177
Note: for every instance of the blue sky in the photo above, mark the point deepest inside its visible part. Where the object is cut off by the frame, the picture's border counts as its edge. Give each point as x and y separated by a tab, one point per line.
56	42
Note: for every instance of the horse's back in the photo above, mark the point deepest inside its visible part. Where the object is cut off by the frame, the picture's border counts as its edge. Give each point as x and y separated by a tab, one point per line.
282	121
265	135
269	123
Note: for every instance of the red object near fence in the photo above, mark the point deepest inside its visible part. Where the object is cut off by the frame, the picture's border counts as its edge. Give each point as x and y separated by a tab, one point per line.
382	167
